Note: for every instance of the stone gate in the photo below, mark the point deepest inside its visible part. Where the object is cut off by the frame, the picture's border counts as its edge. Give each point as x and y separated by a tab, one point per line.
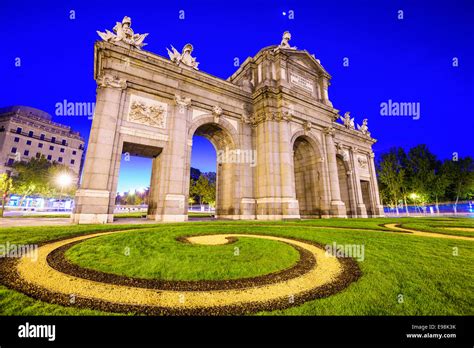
275	105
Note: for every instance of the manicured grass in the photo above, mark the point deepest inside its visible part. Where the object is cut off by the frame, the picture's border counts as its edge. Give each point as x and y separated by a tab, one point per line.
402	274
139	214
39	234
15	303
55	216
443	227
151	253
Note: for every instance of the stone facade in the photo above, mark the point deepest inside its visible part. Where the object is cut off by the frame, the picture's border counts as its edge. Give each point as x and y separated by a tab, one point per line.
276	104
27	132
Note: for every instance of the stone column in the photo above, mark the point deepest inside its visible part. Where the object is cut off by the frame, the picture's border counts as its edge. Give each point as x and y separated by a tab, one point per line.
168	201
338	208
289	204
247	170
92	201
324	86
361	209
275	194
325	203
155	189
352	194
378	208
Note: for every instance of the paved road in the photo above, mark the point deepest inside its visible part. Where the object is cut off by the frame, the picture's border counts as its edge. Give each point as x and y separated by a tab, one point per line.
43	221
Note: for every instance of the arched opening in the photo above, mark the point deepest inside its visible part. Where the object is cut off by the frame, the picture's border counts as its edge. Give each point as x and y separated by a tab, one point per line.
307	178
225	162
366	197
344	188
202	193
134	179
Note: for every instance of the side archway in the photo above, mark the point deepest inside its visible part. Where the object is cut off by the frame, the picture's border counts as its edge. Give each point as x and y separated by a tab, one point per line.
308	178
223	137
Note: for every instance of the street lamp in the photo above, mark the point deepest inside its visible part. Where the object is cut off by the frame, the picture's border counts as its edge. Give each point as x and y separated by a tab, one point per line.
63	180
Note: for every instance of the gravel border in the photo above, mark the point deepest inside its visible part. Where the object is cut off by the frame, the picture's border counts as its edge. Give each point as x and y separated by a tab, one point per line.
350	273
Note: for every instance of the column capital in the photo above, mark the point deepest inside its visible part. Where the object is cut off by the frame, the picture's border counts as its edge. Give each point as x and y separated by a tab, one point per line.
354	149
111	81
216	112
329	131
182	102
307	125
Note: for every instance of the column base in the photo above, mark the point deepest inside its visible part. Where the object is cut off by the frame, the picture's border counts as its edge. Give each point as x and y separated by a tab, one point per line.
84	218
229	217
379	211
168	217
278	217
278	206
338	209
248	207
361	211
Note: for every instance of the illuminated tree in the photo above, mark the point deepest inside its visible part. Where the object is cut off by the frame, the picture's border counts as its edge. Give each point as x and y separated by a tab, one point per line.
6	186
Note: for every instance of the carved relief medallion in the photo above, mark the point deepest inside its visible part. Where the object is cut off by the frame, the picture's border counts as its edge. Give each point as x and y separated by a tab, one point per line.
147	111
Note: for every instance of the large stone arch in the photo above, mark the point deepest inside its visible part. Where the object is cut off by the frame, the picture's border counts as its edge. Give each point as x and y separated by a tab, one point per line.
152	106
314	141
211	119
309	185
224	138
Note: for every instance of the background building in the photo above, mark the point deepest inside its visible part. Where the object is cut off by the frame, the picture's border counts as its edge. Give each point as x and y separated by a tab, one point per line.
27	132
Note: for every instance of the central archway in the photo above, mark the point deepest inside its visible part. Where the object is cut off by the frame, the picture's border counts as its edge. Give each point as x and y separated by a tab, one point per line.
308	181
222	136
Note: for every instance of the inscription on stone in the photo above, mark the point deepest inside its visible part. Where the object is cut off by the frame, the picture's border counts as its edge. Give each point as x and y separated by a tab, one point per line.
302	82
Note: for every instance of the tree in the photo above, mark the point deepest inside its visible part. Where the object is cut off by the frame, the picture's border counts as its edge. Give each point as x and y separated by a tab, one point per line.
392	176
31	177
461	173
38	176
132	199
419	177
421	168
195	173
6	186
440	182
204	189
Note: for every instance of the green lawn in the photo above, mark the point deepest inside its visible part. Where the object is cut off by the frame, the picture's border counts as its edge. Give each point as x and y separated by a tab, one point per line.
442	226
402	274
150	253
138	214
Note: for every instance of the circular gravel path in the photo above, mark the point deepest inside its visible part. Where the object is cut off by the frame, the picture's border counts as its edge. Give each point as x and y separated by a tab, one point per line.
48	278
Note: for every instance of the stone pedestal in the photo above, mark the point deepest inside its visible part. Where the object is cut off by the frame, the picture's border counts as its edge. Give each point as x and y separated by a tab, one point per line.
337	206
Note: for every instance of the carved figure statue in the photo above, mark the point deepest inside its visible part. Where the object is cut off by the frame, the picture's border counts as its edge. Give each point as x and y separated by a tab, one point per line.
124	33
184	57
285	41
364	129
347	120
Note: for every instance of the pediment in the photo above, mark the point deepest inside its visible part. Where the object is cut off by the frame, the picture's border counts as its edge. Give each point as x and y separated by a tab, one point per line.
306	61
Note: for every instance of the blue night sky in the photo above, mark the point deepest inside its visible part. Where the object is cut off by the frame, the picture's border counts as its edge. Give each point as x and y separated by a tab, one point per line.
409	60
